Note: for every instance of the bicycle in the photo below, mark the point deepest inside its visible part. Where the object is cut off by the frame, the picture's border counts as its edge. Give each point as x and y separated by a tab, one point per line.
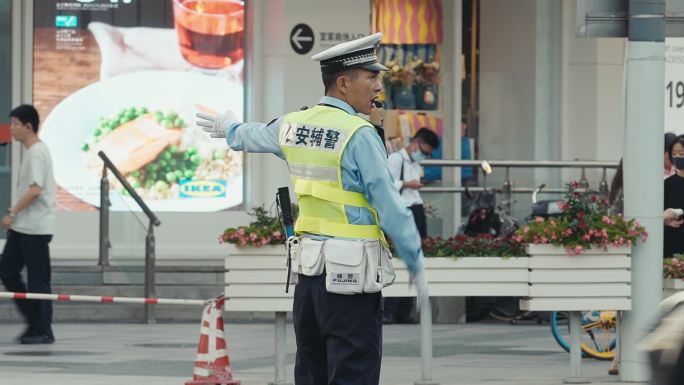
598	337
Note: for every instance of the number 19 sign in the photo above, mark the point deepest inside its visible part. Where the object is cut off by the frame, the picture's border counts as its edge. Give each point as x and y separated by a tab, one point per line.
674	85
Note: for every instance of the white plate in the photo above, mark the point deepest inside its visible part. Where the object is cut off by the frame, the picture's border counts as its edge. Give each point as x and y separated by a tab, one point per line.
72	122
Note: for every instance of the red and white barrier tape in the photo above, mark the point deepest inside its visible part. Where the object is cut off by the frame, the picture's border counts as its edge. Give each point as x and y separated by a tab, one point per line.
103	299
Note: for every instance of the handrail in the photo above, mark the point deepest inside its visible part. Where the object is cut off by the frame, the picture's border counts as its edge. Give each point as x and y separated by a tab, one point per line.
104	230
150	215
522	163
508	188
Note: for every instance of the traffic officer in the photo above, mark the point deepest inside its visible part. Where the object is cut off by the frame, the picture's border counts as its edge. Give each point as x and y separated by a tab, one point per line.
338	166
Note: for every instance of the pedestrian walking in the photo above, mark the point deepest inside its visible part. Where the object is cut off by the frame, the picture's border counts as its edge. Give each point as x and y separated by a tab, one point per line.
29	224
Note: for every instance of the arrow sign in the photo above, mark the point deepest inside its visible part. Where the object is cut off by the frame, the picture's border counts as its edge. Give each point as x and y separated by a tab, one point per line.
302	38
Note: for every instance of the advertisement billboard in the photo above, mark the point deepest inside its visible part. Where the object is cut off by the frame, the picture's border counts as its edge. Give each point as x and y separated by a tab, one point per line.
127	77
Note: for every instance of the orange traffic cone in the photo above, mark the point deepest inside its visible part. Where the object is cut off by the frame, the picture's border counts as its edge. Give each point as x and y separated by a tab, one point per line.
212	366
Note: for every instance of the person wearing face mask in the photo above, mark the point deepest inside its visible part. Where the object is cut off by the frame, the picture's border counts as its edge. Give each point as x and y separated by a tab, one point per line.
674	199
404	165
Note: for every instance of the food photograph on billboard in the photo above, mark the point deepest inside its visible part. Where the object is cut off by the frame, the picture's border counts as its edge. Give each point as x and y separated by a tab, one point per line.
126	78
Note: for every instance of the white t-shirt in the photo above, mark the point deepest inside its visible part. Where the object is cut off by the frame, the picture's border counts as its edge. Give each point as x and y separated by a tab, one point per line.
38	218
412	171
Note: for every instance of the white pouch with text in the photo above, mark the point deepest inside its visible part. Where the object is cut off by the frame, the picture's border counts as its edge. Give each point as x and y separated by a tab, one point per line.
345	266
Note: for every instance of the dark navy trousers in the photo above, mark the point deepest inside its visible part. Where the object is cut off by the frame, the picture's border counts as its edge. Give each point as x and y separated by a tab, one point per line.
339	337
32	251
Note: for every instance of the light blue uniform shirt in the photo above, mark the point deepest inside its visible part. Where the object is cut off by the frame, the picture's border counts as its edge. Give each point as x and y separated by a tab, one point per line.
364	170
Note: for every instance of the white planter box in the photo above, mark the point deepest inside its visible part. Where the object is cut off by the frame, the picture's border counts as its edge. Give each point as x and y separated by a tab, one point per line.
255	280
597	279
672	286
467	276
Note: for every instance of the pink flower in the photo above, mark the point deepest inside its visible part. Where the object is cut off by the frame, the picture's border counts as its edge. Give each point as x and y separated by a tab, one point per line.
539	219
543	240
578	249
276	234
586	237
241	231
253	237
526	229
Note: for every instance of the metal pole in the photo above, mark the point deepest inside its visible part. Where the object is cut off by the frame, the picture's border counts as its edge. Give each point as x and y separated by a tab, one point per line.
280	347
643	184
508	195
426	345
575	350
584	182
149	273
104	219
604	190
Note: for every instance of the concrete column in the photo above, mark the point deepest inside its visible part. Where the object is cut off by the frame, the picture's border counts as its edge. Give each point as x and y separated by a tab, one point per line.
643	184
547	88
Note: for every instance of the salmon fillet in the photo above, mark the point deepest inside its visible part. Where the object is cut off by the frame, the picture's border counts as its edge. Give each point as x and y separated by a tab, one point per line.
136	143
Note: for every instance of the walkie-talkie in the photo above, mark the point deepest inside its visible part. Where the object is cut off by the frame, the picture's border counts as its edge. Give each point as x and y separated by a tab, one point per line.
285	210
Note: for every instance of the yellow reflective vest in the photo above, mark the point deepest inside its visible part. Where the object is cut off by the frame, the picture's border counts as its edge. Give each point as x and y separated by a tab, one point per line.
313	141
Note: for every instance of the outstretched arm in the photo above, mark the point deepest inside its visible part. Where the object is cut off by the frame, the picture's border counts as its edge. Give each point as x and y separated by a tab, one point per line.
248	137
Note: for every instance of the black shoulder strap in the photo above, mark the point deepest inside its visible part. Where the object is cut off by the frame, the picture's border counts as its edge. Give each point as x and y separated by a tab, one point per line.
401	175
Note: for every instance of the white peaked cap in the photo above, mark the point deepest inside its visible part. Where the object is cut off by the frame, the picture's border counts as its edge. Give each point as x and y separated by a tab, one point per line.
359	53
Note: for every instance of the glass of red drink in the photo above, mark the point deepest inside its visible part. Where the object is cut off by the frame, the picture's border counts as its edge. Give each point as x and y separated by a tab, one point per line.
210	32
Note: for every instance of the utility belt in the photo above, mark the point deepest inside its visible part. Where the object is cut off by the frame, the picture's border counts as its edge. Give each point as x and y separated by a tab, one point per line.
350	266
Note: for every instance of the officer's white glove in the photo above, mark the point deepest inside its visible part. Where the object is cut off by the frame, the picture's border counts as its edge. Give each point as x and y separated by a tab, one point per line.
423	294
215	125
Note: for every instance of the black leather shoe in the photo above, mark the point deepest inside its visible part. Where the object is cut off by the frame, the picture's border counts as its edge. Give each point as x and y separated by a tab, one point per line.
35	339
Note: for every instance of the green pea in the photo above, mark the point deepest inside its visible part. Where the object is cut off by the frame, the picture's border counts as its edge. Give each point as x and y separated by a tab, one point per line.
85	147
179	174
170	177
188	174
152	167
125	119
179	122
130	115
161	185
97	132
166	155
135	184
167	123
142	111
149	184
172	149
218	154
162	163
113	124
195	158
136	174
158	118
171	115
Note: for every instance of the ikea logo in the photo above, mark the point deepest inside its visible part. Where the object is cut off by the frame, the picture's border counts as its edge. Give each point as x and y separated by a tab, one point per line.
203	189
